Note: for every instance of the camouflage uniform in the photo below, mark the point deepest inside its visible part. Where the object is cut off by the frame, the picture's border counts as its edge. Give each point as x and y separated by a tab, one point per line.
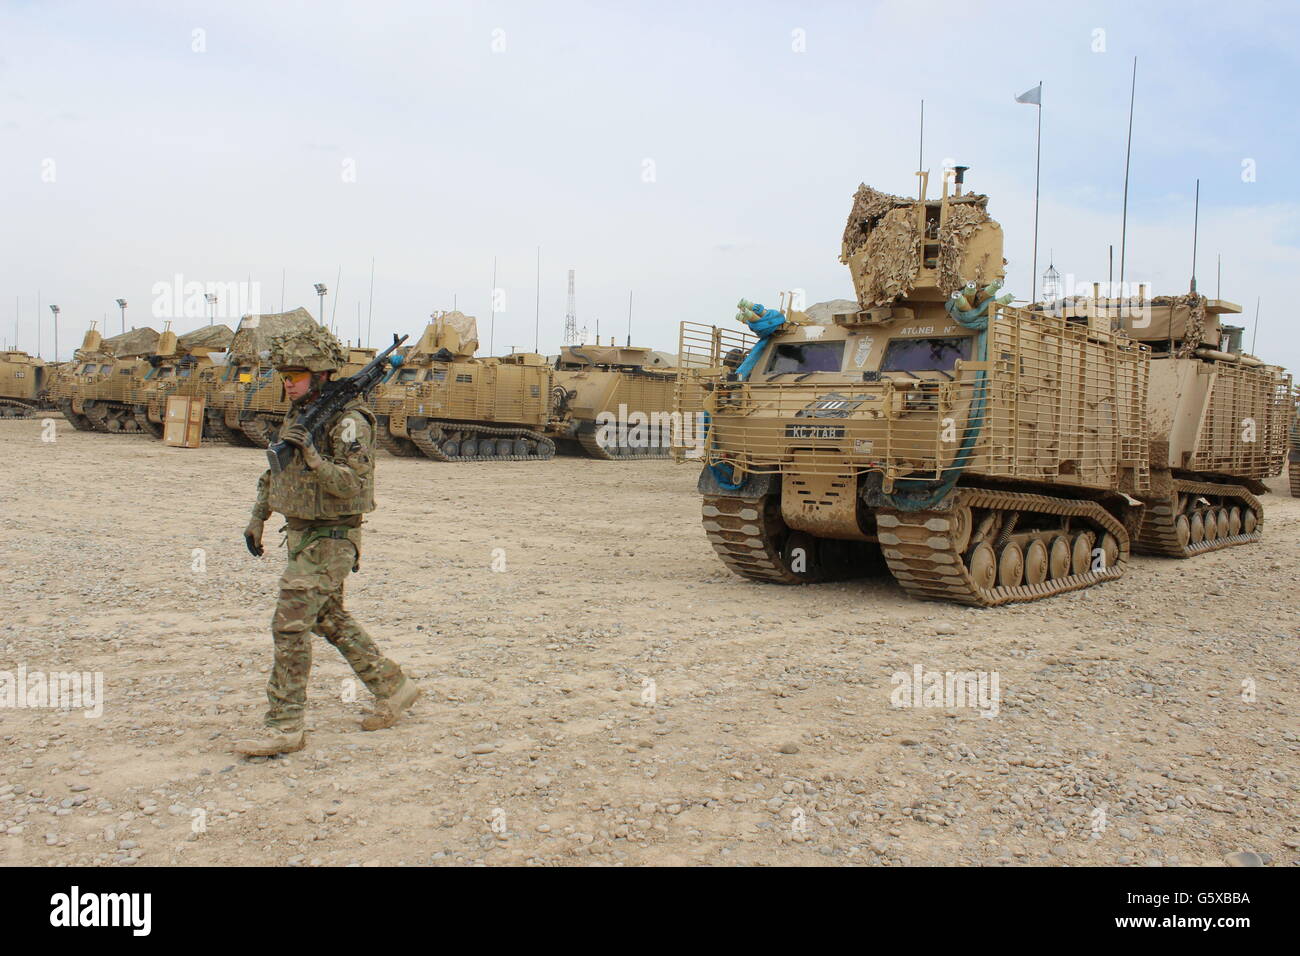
323	508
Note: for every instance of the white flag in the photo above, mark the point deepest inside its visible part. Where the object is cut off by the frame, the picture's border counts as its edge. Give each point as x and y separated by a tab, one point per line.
1034	97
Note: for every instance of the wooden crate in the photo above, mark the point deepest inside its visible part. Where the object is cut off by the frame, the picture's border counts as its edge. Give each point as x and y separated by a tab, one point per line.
183	422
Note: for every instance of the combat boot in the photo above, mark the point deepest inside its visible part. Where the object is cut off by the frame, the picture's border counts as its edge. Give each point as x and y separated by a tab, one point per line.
388	709
270	743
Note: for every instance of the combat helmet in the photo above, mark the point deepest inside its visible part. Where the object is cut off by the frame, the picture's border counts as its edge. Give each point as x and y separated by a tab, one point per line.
313	348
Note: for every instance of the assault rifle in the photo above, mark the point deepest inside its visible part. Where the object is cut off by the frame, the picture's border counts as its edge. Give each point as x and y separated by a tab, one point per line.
334	395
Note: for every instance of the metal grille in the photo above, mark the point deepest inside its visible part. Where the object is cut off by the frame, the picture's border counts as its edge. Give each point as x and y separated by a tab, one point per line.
1244	432
1295	420
701	351
1055	402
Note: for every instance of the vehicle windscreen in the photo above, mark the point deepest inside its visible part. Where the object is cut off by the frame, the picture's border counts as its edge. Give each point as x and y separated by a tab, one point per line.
806	357
925	355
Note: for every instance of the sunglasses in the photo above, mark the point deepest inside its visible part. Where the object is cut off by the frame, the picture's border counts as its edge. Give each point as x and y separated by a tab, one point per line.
296	378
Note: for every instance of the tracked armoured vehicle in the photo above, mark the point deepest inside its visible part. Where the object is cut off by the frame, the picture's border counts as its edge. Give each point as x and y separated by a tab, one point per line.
1219	422
441	402
1080	430
182	365
94	391
984	454
613	403
248	404
24	384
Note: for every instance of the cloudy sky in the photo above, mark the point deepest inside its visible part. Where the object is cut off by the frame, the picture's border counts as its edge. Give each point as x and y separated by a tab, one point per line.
686	153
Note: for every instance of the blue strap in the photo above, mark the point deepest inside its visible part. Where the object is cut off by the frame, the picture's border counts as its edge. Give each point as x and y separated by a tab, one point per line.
764	323
923	495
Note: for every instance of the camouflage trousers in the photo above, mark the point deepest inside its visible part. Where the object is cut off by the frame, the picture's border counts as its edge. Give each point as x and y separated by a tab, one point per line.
311	601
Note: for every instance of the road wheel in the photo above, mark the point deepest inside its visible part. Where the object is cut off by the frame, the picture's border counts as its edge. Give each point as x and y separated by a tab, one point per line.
1011	566
1058	562
1036	562
984	566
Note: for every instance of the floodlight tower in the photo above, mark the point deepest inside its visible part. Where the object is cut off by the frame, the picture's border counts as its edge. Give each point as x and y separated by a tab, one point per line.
320	292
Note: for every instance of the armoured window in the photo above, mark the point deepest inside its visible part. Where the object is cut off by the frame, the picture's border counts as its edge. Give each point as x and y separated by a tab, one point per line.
105	369
464	377
806	357
406	375
184	372
925	355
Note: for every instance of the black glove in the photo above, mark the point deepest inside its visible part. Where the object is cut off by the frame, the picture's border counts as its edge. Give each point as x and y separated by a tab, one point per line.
298	435
253	537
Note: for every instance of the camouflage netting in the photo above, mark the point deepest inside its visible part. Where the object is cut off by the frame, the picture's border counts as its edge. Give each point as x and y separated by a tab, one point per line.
965	215
1187	312
883	228
458	334
314	348
255	332
130	344
215	338
869	206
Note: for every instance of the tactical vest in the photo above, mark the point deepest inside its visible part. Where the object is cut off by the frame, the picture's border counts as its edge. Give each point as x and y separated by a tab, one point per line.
296	491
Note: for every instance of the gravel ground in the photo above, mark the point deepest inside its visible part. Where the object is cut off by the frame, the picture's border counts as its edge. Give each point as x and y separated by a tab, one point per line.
613	695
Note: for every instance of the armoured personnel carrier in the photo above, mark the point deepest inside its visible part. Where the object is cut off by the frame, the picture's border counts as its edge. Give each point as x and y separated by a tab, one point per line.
1219	421
248	403
94	391
24	382
441	402
613	403
987	454
182	365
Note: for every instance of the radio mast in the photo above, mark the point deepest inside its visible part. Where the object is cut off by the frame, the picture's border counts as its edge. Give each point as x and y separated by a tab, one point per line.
571	317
